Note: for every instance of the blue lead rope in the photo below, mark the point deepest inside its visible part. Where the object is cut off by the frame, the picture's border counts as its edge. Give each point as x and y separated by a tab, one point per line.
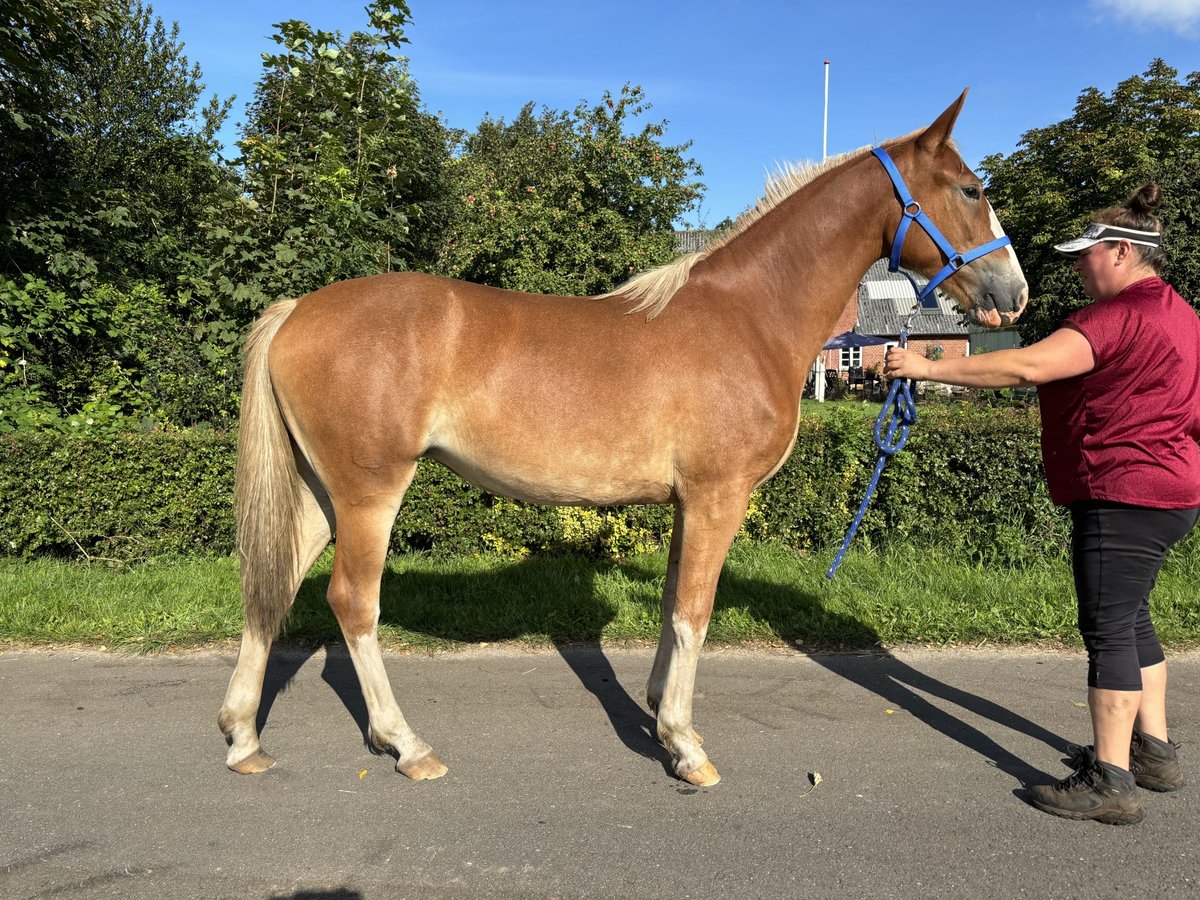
899	413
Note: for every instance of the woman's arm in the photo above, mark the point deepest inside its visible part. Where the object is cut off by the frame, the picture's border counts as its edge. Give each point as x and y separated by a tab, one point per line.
1063	354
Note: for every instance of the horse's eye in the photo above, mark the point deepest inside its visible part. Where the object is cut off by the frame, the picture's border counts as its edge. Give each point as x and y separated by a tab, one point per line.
971	192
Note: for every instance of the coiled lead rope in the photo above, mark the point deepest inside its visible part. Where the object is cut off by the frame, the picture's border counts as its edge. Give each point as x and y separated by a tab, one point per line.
899	413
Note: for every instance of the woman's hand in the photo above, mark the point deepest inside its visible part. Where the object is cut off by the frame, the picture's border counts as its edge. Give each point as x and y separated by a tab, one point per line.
901	363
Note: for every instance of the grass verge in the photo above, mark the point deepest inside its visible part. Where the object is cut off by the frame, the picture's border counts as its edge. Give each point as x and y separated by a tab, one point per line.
767	595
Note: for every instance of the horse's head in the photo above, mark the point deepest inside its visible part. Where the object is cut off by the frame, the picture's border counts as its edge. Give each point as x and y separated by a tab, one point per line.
991	288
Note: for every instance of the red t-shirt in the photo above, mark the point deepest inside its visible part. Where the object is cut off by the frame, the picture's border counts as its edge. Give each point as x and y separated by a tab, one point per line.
1127	430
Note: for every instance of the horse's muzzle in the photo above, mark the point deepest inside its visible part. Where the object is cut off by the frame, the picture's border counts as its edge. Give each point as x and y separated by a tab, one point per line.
1000	303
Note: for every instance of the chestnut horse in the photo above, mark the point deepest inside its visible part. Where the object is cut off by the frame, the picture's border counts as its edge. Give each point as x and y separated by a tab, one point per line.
562	400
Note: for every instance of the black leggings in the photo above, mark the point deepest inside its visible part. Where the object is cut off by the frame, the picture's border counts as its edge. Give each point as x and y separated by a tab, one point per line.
1116	553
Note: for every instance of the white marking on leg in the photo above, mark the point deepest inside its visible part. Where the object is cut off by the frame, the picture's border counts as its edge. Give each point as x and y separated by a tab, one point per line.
388	727
666	640
662	664
675	710
240	709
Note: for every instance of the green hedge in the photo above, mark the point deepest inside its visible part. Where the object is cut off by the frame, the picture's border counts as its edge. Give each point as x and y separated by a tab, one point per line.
117	496
970	481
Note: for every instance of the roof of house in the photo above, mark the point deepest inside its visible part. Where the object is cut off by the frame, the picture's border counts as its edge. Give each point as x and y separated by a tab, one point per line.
886	298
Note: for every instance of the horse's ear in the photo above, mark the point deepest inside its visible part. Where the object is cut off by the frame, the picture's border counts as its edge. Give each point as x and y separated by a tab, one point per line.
934	138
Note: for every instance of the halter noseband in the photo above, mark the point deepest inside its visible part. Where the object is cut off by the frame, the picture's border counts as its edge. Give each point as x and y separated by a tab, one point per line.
914	213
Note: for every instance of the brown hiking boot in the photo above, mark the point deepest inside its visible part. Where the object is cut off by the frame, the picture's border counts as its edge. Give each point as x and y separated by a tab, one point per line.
1155	763
1096	790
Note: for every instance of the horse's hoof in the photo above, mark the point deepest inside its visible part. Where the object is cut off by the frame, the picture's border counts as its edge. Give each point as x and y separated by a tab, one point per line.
253	764
423	769
705	776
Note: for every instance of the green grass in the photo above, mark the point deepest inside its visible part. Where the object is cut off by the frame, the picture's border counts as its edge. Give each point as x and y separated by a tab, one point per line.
767	595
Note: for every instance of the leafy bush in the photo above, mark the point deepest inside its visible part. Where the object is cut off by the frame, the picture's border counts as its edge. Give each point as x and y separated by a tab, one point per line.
970	481
105	358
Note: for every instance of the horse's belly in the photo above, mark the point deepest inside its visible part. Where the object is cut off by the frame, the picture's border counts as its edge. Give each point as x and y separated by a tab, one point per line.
561	479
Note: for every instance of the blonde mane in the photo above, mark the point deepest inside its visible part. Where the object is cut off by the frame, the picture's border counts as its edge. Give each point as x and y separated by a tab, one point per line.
653	289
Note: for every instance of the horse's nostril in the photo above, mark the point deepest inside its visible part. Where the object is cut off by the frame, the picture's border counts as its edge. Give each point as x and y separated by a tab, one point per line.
1007	303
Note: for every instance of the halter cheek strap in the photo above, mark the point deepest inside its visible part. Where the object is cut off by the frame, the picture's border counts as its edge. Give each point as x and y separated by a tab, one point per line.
914	213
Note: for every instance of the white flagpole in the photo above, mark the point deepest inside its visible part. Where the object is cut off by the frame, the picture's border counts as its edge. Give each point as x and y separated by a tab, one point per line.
818	369
825	127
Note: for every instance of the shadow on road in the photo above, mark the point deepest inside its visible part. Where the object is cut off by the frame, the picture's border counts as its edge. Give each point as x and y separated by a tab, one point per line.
463	607
898	683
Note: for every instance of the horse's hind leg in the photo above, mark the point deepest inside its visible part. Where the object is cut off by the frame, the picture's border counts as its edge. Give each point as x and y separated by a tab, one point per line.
358	560
239	713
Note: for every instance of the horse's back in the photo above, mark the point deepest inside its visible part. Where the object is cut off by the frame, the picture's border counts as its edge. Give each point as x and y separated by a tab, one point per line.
378	309
551	399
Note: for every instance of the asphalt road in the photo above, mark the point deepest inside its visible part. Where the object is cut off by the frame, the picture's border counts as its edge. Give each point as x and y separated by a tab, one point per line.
112	781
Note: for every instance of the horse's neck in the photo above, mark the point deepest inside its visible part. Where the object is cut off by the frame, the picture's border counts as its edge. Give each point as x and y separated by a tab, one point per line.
807	256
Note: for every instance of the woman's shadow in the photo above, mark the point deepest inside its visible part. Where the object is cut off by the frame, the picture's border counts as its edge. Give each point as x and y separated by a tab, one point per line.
558	597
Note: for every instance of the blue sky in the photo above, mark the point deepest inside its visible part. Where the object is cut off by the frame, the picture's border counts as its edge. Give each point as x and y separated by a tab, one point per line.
744	80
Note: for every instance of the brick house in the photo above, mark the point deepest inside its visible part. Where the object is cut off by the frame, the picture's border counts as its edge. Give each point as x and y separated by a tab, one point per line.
879	307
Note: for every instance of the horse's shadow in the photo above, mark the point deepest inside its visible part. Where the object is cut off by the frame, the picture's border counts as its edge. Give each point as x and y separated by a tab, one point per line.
461	608
526	599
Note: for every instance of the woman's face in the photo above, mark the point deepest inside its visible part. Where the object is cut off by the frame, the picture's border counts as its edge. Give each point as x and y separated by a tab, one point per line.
1100	269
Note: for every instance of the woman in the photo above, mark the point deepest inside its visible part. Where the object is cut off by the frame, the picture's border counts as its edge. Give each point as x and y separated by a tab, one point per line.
1119	392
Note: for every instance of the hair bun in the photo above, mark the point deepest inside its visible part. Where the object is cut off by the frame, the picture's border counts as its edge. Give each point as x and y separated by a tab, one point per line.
1146	199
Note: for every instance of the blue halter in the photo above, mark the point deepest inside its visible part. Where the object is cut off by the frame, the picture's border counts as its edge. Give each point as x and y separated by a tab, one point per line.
914	213
899	411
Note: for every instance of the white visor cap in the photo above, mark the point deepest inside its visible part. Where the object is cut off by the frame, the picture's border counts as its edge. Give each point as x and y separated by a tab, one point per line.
1095	233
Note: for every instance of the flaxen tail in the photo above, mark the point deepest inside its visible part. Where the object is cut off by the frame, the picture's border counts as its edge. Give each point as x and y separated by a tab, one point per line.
268	489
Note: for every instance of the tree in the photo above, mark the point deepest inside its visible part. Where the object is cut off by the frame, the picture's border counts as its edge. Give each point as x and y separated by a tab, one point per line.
1147	128
106	161
566	203
108	171
107	357
37	39
342	171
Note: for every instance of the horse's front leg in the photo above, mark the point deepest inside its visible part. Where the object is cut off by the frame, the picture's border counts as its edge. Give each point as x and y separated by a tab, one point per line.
704	529
666	643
